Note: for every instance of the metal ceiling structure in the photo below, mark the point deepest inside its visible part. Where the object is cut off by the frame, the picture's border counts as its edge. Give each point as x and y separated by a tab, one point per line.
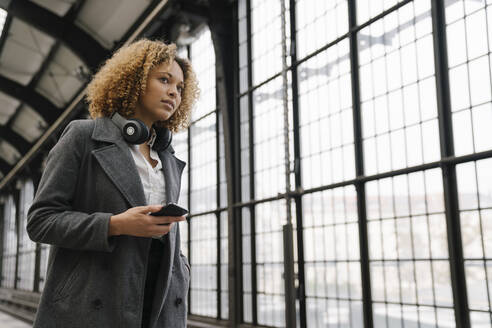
48	51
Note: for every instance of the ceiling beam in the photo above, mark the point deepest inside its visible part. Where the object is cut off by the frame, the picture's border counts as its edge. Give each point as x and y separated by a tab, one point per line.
16	140
62	29
46	109
4	166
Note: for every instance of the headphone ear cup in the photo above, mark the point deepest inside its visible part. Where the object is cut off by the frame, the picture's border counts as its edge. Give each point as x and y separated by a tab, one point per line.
164	138
135	131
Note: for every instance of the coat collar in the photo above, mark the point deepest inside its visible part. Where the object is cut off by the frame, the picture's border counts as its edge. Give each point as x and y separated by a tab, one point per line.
117	161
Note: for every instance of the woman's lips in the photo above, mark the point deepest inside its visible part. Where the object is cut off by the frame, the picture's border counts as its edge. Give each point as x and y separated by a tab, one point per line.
169	104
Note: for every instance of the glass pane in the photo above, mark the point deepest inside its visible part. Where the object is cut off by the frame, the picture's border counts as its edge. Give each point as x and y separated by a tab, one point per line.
399	111
270	217
318	23
408	249
269	140
266	39
204	266
326	120
469	34
476	233
331	255
203	59
367	9
204	165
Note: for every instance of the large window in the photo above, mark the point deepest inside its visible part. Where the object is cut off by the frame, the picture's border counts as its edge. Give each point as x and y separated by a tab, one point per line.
204	239
376	160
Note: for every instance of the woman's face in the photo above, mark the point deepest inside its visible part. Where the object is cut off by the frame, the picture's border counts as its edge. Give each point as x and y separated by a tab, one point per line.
163	94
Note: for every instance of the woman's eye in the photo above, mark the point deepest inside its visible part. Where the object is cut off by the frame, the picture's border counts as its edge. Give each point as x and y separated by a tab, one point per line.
164	79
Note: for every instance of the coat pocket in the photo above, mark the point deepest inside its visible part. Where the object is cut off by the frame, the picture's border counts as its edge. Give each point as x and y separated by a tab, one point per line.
66	284
184	260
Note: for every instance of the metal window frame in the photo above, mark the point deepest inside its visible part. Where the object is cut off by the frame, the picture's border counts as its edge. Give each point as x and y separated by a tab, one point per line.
447	162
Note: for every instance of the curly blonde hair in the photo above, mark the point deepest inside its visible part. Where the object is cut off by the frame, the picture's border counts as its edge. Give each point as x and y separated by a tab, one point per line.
118	84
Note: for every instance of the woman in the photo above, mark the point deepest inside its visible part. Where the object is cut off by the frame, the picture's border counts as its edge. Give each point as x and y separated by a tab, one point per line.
96	193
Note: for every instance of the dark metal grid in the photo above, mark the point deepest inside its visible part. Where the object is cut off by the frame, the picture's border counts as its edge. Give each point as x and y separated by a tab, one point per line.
297	168
446	159
217	215
351	31
461	309
250	166
367	306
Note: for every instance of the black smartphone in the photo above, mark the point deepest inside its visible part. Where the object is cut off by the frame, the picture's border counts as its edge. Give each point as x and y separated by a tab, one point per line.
171	209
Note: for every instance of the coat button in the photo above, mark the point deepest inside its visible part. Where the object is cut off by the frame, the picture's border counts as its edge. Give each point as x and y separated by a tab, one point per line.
178	301
97	304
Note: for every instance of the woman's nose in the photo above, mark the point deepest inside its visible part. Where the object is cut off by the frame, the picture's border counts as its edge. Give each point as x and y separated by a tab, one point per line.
171	91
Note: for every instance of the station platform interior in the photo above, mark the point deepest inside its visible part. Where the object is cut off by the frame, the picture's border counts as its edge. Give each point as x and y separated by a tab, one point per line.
339	157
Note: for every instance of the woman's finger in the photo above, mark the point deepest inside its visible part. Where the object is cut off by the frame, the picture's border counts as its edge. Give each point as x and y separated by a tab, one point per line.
163	229
149	208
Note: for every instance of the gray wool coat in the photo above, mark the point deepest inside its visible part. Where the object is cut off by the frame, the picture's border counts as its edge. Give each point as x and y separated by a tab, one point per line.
94	280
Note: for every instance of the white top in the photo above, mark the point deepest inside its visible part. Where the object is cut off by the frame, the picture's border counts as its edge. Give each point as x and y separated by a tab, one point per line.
152	177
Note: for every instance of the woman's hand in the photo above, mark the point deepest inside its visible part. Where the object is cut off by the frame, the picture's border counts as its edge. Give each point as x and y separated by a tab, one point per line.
136	221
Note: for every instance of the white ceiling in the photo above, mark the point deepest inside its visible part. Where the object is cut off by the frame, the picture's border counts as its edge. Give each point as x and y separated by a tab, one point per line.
24	51
107	21
8	105
59	7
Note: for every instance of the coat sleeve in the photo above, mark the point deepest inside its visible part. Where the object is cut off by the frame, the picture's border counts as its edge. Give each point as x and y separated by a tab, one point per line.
51	218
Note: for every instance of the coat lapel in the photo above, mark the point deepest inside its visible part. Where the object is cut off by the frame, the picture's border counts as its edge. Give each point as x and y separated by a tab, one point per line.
173	168
117	162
